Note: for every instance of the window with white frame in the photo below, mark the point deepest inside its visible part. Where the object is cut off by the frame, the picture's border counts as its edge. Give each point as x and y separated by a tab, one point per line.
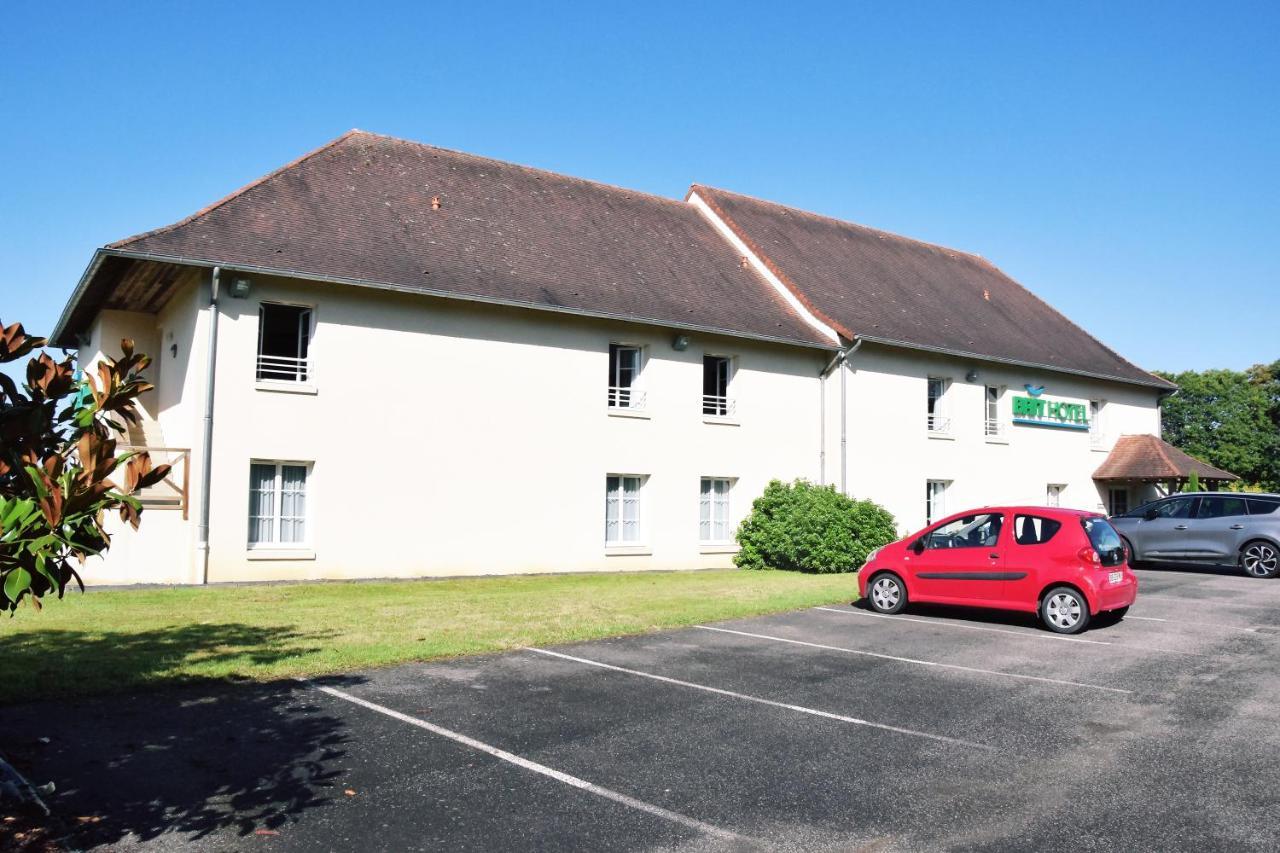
277	504
717	370
625	363
622	509
935	500
938	420
284	342
1095	422
1053	494
713	510
992	425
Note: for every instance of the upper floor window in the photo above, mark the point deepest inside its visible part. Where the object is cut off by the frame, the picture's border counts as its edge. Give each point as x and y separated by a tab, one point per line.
1053	494
938	420
992	424
717	370
284	338
1096	434
277	503
625	363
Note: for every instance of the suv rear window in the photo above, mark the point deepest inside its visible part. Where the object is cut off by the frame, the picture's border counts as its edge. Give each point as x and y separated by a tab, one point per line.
1262	506
1105	540
1034	530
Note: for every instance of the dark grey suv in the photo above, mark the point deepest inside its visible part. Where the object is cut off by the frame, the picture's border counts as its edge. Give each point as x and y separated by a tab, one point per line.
1210	528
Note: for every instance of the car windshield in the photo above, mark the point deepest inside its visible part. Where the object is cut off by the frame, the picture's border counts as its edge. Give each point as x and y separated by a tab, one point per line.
1105	540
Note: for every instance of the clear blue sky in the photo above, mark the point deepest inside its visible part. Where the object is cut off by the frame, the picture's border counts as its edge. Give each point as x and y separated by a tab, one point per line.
1120	159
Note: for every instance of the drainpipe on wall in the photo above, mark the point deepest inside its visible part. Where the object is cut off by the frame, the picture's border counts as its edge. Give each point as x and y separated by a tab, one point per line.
840	360
206	467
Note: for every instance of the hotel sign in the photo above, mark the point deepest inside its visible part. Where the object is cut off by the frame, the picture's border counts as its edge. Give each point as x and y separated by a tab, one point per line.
1035	410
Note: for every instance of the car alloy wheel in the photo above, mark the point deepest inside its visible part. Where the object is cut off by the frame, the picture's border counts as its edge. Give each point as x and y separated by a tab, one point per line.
1064	611
1261	560
887	594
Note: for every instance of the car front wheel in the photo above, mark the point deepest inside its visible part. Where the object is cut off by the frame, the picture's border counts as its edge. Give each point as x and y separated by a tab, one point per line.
1064	610
1260	560
887	593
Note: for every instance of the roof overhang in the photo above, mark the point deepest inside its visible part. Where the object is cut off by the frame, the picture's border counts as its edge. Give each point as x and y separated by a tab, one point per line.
1155	383
65	326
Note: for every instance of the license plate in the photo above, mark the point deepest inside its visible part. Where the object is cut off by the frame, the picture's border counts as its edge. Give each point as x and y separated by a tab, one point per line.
1115	577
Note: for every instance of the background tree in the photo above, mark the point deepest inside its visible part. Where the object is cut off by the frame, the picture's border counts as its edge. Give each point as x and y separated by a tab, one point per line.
57	455
1230	419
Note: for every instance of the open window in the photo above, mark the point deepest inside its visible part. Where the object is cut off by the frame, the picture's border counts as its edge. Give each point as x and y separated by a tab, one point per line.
284	342
717	370
939	422
625	364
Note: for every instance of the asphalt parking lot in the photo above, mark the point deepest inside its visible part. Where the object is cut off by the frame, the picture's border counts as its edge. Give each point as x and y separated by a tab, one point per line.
824	729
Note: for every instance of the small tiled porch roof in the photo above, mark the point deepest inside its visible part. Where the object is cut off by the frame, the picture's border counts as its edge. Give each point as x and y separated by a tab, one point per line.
1149	458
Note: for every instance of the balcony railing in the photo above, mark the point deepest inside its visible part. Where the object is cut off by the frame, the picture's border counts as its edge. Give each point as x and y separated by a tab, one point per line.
939	424
283	368
994	428
171	492
719	406
632	399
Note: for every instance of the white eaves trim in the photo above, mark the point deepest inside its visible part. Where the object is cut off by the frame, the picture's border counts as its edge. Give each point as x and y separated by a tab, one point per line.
759	266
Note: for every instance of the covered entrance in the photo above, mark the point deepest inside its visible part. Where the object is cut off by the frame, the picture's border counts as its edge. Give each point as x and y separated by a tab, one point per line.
1142	468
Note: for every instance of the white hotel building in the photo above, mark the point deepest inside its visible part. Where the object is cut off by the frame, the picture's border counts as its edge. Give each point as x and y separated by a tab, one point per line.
388	359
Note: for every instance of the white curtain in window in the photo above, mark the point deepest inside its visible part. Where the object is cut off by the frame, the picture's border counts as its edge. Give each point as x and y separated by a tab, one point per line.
630	509
262	503
612	509
293	503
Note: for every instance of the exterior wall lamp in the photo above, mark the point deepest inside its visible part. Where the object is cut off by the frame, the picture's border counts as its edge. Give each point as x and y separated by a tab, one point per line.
680	343
239	288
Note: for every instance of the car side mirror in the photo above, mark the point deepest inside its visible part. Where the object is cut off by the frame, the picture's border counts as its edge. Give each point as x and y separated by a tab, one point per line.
1151	514
918	546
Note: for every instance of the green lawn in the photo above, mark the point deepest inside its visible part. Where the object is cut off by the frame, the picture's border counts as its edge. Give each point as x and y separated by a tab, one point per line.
118	640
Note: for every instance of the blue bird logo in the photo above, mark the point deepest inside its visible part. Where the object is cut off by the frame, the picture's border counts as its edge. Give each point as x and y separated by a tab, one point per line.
1034	390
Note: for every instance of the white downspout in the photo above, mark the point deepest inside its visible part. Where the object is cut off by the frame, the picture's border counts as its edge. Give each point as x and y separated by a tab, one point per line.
840	360
206	466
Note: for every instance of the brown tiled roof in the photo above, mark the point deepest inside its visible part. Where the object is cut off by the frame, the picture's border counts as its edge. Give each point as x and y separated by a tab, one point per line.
883	287
376	210
1148	457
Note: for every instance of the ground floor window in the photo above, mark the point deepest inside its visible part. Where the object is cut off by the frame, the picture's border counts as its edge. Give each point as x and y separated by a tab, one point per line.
935	493
622	509
1117	500
277	503
1053	494
713	510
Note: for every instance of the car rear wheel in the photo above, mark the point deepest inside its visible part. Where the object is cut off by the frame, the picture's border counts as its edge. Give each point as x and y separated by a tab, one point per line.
887	593
1063	610
1260	560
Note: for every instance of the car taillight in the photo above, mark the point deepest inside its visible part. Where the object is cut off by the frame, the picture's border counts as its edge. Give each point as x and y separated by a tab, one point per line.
1089	555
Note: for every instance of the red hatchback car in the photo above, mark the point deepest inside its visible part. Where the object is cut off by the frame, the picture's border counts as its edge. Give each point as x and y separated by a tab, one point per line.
1065	565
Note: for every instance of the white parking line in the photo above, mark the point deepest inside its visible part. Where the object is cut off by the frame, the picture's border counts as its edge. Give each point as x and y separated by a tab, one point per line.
503	755
1221	625
940	624
917	661
799	708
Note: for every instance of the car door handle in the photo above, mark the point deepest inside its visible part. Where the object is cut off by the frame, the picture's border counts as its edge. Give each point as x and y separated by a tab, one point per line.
1237	527
1179	527
994	556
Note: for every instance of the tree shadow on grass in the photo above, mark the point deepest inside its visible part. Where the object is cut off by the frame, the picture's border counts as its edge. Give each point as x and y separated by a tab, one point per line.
194	760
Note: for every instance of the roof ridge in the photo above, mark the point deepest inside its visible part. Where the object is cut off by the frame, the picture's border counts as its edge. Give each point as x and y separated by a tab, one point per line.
120	244
668	200
811	214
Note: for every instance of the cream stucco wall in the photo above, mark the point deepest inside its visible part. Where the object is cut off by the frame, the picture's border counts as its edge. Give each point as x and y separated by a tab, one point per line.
454	438
892	455
449	438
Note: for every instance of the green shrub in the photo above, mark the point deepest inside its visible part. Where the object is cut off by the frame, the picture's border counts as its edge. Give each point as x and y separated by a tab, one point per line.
808	528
